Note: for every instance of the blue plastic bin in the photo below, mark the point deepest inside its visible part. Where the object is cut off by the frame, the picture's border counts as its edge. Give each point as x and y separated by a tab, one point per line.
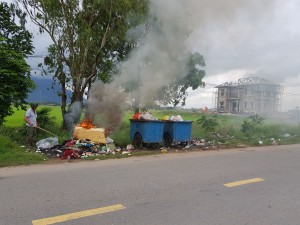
177	131
146	131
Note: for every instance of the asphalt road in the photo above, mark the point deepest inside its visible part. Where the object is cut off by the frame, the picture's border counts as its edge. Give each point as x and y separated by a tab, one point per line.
169	189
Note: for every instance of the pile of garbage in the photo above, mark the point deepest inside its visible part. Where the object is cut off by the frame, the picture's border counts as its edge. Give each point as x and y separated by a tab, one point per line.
75	149
149	116
173	118
144	116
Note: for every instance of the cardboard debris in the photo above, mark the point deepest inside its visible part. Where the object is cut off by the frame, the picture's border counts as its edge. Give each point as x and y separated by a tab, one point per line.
94	134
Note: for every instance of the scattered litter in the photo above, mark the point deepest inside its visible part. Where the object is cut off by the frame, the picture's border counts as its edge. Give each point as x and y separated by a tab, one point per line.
75	149
130	147
47	143
164	151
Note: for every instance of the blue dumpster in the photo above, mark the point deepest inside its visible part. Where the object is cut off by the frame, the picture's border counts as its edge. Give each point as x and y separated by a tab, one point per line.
146	132
177	131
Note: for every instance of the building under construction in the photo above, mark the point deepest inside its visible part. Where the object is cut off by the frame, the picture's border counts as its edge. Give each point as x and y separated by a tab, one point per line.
249	95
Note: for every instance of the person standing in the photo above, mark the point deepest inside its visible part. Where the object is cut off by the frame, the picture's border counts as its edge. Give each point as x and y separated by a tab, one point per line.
31	124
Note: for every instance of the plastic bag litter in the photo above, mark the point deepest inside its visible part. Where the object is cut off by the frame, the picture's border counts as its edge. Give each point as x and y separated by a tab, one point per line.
176	118
47	143
109	140
147	116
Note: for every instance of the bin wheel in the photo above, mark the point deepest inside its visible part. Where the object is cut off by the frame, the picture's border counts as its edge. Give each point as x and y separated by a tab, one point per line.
167	140
138	141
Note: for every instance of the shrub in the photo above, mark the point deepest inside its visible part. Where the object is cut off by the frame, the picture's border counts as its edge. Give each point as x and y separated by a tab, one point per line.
252	126
44	119
208	124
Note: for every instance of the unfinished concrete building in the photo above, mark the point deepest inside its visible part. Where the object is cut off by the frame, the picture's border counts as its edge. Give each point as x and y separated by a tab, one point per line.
248	96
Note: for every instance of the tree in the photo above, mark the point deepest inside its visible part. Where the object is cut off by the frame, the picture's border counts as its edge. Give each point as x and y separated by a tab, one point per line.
15	44
176	92
88	38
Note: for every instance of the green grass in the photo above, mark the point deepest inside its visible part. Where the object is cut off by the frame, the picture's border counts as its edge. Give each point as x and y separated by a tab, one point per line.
12	154
17	119
228	132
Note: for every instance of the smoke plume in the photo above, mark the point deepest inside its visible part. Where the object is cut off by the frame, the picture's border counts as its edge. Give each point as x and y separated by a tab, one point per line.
105	106
159	58
73	116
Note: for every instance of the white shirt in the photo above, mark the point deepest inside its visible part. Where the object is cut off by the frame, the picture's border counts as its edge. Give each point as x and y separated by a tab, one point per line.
31	116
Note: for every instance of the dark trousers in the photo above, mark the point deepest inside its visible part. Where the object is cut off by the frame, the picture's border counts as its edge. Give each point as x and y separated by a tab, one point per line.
31	136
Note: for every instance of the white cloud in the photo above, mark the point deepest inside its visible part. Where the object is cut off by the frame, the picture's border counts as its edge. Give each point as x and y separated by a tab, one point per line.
261	39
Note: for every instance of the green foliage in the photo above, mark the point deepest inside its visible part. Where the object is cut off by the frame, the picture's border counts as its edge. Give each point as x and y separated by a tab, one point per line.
226	133
252	126
12	155
17	134
17	119
176	93
89	39
208	124
44	119
121	136
15	42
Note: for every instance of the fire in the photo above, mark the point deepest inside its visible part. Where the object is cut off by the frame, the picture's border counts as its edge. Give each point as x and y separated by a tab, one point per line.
87	124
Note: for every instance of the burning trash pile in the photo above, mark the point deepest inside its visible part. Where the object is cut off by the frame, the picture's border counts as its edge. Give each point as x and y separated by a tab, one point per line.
88	140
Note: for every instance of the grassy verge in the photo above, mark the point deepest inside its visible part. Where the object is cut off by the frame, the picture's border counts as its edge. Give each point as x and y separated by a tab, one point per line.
13	155
227	133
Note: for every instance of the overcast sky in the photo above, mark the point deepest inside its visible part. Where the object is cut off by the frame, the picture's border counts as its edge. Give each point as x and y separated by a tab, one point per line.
238	38
261	41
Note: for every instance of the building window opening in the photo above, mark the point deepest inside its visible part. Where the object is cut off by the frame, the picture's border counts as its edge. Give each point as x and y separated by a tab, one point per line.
222	92
221	108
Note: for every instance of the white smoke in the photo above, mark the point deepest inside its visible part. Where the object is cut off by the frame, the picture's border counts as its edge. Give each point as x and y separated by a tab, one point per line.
172	27
73	116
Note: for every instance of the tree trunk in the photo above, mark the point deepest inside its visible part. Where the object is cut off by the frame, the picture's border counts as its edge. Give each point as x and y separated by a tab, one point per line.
63	100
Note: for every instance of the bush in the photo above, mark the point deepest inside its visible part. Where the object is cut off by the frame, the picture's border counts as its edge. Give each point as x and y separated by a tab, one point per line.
121	135
208	124
44	119
252	127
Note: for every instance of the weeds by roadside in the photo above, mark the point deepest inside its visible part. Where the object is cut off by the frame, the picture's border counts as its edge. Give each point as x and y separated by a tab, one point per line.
218	130
13	155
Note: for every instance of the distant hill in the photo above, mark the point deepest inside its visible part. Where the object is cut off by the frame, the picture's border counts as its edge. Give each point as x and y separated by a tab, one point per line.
45	93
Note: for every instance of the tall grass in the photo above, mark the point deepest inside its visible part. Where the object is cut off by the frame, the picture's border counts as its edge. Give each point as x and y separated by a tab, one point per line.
12	154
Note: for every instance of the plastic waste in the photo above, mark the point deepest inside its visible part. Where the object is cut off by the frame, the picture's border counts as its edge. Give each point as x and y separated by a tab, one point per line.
147	116
47	143
109	140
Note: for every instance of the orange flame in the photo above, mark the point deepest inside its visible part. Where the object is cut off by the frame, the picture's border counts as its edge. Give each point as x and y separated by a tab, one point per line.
87	124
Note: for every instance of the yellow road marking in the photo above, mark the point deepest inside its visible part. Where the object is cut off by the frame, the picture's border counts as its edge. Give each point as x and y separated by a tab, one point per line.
242	182
76	215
